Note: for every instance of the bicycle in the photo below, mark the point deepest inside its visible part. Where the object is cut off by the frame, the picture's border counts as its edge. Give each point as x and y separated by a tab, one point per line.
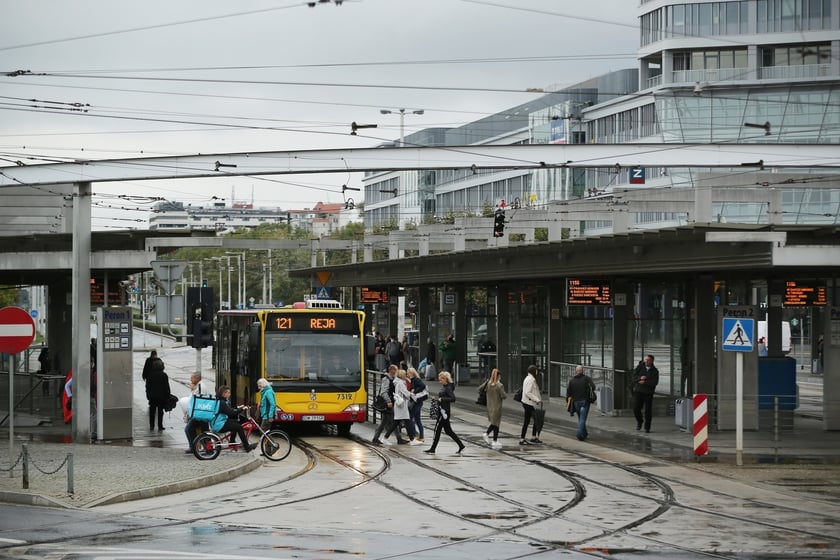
274	444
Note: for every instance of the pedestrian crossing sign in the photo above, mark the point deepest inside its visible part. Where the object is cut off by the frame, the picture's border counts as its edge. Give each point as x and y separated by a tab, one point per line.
323	293
738	334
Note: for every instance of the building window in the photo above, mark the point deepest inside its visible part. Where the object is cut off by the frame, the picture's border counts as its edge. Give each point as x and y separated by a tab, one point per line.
776	16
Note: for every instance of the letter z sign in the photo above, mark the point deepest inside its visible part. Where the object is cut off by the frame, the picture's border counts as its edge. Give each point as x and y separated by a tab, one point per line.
637	175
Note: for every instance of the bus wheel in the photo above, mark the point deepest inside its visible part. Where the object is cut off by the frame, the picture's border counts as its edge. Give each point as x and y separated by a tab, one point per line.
344	428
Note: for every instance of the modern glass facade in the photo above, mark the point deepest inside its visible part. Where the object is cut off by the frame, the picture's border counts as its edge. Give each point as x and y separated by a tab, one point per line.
739	71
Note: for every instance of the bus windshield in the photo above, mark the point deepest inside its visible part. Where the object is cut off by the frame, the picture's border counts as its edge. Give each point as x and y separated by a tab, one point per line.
300	361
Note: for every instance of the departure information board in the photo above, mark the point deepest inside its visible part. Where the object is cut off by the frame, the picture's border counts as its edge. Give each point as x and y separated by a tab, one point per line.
803	293
373	296
588	291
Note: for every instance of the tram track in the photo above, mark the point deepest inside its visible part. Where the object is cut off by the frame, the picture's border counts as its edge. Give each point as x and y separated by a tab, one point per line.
596	507
669	500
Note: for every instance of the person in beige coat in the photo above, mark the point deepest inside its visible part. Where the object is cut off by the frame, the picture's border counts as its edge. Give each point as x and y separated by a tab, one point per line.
495	391
531	398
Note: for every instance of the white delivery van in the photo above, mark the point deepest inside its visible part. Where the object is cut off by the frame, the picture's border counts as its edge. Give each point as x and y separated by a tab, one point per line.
787	341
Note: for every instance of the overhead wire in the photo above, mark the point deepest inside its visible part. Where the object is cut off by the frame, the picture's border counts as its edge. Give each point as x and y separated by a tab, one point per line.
470	1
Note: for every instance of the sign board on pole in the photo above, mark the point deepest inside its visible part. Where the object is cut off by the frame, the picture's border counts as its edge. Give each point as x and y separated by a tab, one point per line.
738	334
17	330
168	273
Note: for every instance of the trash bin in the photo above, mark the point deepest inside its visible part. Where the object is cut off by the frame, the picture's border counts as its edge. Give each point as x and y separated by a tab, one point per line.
462	374
683	414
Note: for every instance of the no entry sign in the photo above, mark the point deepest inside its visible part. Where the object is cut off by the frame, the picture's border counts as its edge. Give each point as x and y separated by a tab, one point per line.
17	330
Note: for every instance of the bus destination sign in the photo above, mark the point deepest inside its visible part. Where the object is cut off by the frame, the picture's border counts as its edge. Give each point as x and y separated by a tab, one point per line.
588	291
327	322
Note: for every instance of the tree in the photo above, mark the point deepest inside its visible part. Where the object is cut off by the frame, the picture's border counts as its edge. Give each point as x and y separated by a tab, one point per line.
8	296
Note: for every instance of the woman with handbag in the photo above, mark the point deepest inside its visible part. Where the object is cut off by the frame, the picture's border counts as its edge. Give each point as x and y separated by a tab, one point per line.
494	393
402	398
580	390
531	398
446	396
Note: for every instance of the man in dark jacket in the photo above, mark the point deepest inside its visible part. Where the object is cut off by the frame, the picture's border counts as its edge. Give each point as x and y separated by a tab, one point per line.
645	380
578	390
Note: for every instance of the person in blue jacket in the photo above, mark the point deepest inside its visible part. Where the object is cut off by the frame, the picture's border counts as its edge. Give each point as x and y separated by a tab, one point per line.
225	420
268	404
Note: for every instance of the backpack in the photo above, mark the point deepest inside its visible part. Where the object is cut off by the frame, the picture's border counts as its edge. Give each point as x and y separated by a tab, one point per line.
203	408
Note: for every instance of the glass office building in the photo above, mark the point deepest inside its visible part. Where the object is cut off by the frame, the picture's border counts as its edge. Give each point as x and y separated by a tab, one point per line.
739	71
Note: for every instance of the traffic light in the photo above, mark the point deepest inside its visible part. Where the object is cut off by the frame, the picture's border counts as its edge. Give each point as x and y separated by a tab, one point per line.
499	223
202	325
200	310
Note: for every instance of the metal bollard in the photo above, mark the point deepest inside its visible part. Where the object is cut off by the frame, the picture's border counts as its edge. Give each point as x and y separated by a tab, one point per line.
69	473
25	460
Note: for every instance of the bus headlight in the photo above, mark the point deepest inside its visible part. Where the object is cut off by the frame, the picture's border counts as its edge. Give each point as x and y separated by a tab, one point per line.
356	408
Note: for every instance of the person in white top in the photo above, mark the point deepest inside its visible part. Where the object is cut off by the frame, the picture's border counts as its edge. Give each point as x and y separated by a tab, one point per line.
531	399
192	426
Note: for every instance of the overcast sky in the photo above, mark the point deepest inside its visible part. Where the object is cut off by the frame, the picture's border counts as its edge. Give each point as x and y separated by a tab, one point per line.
185	77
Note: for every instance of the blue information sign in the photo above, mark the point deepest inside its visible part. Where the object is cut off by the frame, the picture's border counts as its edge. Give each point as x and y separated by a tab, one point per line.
738	334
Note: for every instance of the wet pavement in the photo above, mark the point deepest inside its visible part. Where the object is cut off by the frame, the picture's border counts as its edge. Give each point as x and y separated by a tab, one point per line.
110	471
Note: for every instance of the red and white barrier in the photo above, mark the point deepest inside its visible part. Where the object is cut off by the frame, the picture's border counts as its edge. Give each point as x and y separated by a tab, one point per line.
701	425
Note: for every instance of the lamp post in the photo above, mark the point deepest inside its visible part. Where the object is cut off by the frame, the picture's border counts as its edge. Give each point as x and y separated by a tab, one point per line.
402	113
221	297
228	269
240	269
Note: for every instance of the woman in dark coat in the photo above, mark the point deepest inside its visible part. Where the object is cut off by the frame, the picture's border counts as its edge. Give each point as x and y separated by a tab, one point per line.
446	396
157	392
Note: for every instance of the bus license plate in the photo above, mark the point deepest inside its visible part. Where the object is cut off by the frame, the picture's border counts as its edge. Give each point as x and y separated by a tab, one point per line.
312	418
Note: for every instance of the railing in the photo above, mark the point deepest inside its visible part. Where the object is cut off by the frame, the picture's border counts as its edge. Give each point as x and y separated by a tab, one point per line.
559	374
710	75
799	71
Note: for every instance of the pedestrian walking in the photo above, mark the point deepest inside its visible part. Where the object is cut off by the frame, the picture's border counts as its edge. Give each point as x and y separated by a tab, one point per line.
531	398
645	380
579	388
419	395
386	392
402	400
157	392
446	396
495	391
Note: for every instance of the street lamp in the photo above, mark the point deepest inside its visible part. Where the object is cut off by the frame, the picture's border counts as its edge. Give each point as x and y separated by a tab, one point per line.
221	297
402	113
240	269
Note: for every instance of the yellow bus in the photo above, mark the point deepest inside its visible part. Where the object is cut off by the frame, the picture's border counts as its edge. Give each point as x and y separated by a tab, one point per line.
312	354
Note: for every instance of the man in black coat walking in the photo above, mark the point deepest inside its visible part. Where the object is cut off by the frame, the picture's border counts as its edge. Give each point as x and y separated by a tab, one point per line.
645	380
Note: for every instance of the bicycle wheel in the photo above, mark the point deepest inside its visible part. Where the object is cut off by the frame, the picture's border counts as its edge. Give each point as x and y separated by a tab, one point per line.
275	445
207	446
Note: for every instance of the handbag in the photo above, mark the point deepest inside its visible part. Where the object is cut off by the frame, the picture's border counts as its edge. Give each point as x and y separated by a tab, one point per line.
592	396
171	403
482	397
517	396
380	404
434	409
399	400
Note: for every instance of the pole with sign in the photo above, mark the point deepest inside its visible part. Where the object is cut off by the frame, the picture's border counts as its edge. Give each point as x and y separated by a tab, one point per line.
17	331
739	336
